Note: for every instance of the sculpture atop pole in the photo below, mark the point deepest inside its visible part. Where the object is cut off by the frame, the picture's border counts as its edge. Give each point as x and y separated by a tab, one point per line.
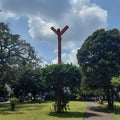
59	84
59	34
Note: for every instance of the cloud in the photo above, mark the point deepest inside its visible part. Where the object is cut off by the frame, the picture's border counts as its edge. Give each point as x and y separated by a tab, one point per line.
69	45
39	28
78	14
82	17
44	63
68	58
6	15
45	8
79	18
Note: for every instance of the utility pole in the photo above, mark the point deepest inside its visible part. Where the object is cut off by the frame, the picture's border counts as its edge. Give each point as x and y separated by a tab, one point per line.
59	83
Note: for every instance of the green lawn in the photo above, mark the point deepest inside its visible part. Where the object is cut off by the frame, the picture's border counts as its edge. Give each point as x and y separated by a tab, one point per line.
115	113
43	111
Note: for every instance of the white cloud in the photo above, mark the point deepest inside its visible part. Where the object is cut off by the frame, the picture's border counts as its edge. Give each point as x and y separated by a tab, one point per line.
71	57
55	61
44	63
69	45
86	14
82	17
40	28
67	58
79	18
46	8
6	15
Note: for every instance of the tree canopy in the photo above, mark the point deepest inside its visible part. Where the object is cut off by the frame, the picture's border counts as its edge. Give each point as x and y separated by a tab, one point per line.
69	74
99	58
62	80
15	56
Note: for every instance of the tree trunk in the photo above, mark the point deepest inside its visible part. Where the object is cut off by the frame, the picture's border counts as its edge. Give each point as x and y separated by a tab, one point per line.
59	96
116	95
12	107
110	98
110	104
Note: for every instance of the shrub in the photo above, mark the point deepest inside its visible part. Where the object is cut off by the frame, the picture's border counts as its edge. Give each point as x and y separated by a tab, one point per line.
13	102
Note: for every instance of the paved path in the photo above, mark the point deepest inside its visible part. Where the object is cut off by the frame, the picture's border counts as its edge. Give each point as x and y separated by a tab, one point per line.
93	112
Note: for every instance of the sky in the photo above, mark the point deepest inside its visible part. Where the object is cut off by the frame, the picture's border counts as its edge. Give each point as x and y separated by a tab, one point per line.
32	20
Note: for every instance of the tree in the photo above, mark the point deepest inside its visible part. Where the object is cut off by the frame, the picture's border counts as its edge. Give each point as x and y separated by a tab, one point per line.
68	75
116	85
29	82
99	58
116	81
15	54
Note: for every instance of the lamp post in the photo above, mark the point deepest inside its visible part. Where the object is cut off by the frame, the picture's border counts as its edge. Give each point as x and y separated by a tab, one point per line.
59	33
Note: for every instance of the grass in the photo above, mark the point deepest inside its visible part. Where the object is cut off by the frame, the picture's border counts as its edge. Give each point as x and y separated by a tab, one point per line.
43	111
115	113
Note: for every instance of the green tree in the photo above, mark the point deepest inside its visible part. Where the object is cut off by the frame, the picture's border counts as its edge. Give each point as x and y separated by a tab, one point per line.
15	54
116	85
67	75
99	58
29	82
116	81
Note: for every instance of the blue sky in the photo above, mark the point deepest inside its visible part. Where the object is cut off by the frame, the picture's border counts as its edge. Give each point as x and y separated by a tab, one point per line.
32	19
113	8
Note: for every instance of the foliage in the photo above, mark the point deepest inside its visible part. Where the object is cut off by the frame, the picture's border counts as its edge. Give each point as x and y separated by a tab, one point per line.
116	85
13	102
15	56
70	76
115	81
99	58
67	74
29	83
64	106
78	97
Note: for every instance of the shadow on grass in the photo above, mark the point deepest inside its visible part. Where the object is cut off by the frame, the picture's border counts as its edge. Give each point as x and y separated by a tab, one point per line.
4	105
7	111
20	108
89	114
98	109
33	104
67	114
116	109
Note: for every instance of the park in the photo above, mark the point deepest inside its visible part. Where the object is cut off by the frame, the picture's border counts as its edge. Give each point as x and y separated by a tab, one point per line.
60	91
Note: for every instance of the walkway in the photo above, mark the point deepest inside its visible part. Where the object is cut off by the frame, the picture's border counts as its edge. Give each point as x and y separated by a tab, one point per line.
93	112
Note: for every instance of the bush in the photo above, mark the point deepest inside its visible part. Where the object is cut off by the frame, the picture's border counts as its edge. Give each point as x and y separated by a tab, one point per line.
13	102
78	97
